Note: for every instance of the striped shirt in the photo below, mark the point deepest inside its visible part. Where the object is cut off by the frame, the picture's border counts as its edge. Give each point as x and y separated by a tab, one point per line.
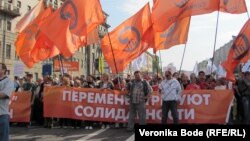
170	90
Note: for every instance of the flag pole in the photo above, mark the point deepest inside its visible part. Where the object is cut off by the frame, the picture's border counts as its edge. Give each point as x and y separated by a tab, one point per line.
160	61
183	58
247	10
113	54
216	33
114	61
157	67
130	68
61	65
184	50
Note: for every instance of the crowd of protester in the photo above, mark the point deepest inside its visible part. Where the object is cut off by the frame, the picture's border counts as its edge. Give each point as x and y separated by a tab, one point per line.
201	81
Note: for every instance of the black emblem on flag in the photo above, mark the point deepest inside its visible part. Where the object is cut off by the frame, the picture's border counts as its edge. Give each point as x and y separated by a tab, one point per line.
181	3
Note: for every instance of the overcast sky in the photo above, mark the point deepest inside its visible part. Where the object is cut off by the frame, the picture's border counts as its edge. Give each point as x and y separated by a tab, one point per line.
201	33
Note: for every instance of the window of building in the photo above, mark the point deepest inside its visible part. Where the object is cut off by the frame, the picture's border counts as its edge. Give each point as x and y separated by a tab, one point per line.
81	63
19	4
28	8
8	51
36	75
10	1
16	57
9	25
8	72
1	23
93	57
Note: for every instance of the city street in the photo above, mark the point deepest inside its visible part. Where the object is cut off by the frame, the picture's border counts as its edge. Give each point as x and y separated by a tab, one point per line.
69	134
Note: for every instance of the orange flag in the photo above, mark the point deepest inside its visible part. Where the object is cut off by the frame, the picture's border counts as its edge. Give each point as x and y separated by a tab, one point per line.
176	34
126	40
239	52
92	37
43	49
72	22
30	16
233	6
27	39
166	12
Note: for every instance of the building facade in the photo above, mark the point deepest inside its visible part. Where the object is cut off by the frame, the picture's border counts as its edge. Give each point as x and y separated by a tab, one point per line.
221	54
10	13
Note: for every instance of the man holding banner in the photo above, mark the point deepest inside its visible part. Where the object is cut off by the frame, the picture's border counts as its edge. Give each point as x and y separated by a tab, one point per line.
6	88
139	92
171	90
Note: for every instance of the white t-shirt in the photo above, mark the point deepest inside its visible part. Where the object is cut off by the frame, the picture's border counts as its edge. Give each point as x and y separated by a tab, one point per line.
221	87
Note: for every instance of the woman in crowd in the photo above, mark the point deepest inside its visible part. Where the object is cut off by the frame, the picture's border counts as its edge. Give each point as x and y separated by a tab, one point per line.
89	83
106	83
193	84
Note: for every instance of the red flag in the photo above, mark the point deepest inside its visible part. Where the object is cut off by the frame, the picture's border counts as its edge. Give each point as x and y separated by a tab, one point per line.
43	49
92	37
30	16
233	6
176	34
239	52
166	12
126	40
27	39
67	27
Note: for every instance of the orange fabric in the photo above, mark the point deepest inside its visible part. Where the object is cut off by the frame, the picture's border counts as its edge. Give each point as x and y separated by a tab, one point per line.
166	12
27	39
20	107
43	49
30	16
195	106
233	6
92	37
239	52
67	27
69	66
127	40
176	34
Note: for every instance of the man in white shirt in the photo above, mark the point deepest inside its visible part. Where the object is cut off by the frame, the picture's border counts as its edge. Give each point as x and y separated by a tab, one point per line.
170	89
6	88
